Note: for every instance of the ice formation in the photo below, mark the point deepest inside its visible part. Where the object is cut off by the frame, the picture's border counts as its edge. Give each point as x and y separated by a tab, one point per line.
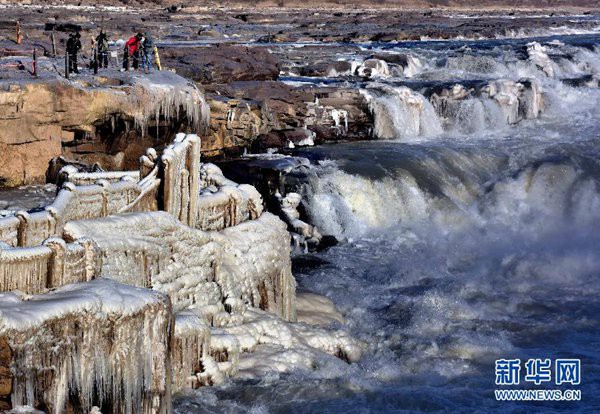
247	262
165	278
413	66
224	203
400	112
270	344
373	68
304	234
163	94
538	56
88	344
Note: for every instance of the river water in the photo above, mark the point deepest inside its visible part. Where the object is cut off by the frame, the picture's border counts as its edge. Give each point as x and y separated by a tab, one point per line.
464	241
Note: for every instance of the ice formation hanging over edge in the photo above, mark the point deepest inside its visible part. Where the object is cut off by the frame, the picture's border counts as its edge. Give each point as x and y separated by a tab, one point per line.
202	278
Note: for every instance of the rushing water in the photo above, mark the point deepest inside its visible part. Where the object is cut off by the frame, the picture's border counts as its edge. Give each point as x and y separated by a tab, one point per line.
461	246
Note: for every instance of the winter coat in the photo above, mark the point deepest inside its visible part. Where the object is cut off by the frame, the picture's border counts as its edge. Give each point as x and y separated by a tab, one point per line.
148	44
73	45
132	45
102	41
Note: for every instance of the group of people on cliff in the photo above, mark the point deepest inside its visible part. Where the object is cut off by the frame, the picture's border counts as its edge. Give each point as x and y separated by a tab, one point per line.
140	48
139	52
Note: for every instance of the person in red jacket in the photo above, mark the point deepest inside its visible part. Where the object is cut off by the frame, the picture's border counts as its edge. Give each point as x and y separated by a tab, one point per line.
132	51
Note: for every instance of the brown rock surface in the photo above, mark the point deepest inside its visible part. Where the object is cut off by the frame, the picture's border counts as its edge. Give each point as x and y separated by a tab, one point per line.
222	63
269	115
6	377
106	120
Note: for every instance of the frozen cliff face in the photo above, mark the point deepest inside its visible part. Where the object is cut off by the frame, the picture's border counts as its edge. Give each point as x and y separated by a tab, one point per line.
89	344
57	112
231	289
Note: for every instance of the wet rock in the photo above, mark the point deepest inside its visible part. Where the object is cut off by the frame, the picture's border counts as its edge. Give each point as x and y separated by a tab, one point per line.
339	68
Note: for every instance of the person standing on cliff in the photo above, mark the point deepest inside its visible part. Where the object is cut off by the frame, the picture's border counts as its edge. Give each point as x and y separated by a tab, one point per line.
73	48
147	52
102	45
131	51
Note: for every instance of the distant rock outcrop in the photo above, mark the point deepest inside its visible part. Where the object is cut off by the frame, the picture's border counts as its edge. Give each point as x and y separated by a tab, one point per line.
222	63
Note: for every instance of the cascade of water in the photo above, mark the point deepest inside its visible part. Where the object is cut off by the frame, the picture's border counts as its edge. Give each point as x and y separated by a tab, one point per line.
400	112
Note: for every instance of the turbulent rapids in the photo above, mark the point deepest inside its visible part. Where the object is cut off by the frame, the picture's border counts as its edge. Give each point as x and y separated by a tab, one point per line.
468	227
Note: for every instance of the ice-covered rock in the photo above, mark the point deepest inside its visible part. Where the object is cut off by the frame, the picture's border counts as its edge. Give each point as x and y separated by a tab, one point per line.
537	55
249	261
373	68
495	103
304	234
89	344
104	227
400	112
270	344
506	94
224	203
316	310
412	67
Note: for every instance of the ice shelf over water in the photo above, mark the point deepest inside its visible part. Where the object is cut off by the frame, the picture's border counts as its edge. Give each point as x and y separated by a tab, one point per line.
115	305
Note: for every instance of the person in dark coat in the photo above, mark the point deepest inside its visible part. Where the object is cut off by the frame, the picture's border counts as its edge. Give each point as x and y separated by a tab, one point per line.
102	47
73	48
147	52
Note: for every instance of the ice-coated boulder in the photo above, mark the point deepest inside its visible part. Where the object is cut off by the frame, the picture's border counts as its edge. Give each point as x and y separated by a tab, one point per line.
89	344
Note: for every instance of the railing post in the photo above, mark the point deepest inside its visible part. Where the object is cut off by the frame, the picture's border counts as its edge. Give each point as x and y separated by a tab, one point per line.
127	59
95	61
19	32
53	43
157	58
35	63
56	262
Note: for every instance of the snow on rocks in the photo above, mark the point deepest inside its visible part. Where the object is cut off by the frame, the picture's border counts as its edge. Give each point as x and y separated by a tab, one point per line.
195	268
317	310
269	344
